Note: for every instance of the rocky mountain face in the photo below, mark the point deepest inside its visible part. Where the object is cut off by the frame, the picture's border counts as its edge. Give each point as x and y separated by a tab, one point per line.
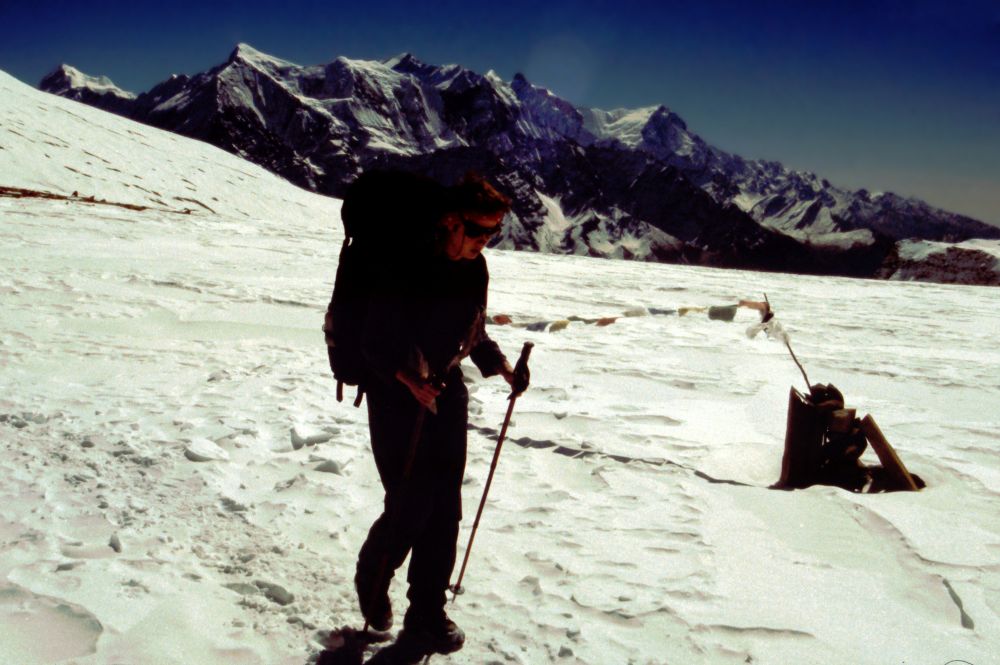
96	91
625	183
970	262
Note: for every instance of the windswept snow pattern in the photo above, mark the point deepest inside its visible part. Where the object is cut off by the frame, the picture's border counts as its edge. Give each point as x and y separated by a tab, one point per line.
179	485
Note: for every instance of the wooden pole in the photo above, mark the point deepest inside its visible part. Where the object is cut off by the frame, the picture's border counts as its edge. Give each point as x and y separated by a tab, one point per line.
890	460
803	442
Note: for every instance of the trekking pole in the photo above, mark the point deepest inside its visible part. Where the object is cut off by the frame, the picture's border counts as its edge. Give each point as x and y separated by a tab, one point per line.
522	364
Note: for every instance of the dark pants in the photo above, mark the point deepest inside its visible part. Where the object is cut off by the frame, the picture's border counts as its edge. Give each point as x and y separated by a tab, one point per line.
421	513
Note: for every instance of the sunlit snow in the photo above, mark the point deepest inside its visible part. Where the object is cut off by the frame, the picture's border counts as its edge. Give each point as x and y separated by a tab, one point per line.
179	485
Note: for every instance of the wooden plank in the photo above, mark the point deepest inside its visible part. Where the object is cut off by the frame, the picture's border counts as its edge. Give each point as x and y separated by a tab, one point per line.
803	443
890	460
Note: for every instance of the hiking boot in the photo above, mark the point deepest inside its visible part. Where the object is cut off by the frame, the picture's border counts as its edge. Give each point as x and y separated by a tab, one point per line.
374	602
433	631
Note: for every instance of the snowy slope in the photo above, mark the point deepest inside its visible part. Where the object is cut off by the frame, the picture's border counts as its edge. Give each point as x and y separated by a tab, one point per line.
630	519
123	162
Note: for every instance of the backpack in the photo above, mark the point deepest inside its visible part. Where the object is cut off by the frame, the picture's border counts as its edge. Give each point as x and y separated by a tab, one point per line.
389	220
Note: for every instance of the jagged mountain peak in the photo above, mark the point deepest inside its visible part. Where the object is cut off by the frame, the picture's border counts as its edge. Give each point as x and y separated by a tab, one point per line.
548	111
246	53
439	76
666	135
363	80
407	62
364	66
500	87
662	114
526	90
65	78
70	73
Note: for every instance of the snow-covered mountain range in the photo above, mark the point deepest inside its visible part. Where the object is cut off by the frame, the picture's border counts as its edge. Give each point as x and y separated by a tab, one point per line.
622	183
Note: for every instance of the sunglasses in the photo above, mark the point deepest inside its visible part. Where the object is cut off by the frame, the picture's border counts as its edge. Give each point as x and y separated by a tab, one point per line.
474	230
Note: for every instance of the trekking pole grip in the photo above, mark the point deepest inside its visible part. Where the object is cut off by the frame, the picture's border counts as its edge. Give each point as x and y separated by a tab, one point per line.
522	362
521	374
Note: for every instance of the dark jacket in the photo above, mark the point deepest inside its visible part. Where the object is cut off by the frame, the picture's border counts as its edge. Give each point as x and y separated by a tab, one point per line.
431	323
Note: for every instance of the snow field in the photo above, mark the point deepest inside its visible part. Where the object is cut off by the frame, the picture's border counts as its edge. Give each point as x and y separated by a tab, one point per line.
179	485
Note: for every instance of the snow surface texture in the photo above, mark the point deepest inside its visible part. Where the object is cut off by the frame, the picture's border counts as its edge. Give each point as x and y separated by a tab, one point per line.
179	485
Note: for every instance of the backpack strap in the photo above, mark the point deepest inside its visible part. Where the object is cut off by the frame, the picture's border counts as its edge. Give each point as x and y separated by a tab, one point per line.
343	250
357	398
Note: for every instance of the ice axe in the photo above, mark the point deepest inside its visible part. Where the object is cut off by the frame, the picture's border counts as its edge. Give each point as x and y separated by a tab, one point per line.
519	386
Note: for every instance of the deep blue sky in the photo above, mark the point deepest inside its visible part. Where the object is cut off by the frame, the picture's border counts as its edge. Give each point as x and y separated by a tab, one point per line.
887	95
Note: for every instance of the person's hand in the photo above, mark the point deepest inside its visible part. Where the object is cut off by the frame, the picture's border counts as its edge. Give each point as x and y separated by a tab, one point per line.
422	390
518	380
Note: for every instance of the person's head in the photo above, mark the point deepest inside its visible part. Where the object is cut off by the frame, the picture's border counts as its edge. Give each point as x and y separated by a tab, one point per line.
473	214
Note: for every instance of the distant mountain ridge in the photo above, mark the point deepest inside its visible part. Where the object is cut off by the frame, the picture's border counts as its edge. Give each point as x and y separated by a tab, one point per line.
623	183
71	83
